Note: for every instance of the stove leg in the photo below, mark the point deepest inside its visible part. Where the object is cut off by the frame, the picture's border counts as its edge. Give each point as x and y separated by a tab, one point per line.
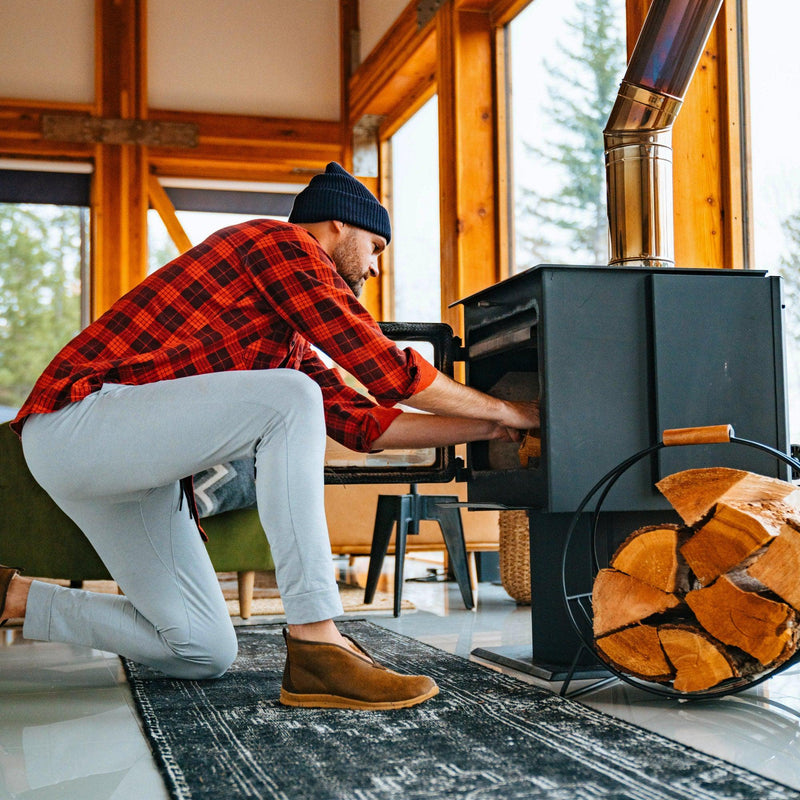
406	511
391	509
449	520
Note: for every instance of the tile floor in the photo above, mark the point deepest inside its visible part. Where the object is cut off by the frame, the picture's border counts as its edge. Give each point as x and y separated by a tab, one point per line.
68	728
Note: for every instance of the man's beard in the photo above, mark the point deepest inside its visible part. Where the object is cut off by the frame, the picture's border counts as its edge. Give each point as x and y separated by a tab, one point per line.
347	259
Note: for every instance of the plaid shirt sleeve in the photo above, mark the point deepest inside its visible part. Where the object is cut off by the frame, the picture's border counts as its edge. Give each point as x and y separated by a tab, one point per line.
352	419
248	297
304	289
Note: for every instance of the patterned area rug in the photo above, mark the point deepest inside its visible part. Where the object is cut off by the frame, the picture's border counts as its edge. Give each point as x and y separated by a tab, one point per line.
486	735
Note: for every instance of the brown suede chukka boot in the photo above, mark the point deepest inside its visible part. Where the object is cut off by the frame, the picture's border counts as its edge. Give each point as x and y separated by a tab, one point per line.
321	675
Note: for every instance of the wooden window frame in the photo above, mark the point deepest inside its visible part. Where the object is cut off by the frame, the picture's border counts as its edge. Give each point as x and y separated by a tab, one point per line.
459	59
229	146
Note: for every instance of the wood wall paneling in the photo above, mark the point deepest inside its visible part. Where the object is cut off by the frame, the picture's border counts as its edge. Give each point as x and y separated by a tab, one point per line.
467	170
402	61
21	131
249	148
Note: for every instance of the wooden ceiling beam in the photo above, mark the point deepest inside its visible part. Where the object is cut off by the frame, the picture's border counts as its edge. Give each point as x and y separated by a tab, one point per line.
402	61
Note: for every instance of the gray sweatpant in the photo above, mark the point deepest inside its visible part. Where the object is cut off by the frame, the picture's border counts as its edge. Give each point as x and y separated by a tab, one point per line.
112	462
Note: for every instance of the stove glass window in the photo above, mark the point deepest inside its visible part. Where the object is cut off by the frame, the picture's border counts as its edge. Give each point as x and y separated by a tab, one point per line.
566	60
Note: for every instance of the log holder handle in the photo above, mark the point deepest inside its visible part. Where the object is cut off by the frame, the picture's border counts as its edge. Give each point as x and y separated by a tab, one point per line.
578	606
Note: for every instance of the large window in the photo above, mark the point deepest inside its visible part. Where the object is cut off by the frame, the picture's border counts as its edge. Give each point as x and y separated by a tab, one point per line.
567	58
415	254
203	207
44	259
775	174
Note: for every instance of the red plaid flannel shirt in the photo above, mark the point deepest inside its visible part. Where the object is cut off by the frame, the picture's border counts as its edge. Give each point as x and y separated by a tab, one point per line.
252	296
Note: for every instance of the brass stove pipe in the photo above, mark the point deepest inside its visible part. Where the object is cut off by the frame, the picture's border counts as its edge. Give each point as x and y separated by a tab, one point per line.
638	135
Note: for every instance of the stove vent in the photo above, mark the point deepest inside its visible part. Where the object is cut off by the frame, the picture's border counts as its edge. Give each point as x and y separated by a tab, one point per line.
638	135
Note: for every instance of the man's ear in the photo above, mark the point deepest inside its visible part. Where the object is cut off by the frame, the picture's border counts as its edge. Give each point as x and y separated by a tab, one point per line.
338	225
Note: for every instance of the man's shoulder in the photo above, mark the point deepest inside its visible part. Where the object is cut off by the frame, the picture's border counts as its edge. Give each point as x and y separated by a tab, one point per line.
263	233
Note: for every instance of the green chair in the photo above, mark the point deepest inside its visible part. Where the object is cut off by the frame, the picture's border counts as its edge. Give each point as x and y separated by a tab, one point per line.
36	536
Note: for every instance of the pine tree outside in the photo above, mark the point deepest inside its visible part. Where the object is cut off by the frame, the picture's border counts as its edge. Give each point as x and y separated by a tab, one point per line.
43	255
567	60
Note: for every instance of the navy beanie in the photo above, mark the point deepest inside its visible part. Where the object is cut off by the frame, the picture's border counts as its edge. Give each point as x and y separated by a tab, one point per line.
336	195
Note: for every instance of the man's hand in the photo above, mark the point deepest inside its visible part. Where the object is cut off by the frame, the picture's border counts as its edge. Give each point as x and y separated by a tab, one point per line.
458	414
449	398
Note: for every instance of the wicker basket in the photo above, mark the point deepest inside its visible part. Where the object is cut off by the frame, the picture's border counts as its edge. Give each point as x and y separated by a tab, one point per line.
515	555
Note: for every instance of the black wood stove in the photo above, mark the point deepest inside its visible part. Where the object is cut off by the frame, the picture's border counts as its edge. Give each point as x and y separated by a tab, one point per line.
615	356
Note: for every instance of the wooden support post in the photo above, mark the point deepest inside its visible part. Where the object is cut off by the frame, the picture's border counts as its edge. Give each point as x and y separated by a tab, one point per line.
119	199
467	156
160	201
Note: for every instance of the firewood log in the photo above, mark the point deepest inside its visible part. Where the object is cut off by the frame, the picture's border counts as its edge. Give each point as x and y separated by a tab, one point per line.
619	600
722	593
728	536
699	661
694	492
779	567
652	554
636	651
763	628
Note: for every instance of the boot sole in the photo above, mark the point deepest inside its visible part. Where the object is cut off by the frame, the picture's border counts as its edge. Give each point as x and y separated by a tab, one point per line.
335	701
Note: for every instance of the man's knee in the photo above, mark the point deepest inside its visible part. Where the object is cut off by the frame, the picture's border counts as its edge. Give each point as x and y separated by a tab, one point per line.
204	658
302	390
297	400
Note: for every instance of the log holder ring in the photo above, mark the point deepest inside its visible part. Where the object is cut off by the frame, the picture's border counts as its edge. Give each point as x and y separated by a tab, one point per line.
578	606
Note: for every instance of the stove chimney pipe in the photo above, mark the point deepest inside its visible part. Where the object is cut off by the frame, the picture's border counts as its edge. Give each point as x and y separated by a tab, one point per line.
638	135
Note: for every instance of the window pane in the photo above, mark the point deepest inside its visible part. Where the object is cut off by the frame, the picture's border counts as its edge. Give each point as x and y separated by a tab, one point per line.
43	257
416	257
567	60
198	225
336	455
206	206
775	178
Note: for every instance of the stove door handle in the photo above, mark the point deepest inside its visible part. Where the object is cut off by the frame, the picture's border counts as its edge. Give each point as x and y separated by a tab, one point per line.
708	434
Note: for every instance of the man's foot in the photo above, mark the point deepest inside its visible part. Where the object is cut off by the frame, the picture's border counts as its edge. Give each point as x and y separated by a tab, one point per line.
322	675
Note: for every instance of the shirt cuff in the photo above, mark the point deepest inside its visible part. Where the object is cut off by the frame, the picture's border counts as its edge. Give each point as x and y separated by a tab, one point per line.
427	372
378	420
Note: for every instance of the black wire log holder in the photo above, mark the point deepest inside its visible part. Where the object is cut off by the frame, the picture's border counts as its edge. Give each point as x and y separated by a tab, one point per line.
578	606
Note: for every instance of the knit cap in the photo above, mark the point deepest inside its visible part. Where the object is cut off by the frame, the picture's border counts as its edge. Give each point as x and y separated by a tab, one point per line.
337	195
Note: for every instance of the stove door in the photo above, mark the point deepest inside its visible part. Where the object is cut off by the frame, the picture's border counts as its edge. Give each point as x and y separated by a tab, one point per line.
434	341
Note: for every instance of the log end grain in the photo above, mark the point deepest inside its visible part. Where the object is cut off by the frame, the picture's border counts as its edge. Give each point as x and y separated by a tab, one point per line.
763	628
699	661
652	554
636	651
620	600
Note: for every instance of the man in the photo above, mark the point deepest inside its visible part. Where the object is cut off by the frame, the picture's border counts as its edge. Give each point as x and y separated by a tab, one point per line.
208	360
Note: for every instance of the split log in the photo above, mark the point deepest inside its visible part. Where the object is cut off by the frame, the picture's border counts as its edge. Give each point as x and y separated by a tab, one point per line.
722	593
620	600
652	554
530	448
779	567
763	628
636	651
728	537
699	661
694	492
